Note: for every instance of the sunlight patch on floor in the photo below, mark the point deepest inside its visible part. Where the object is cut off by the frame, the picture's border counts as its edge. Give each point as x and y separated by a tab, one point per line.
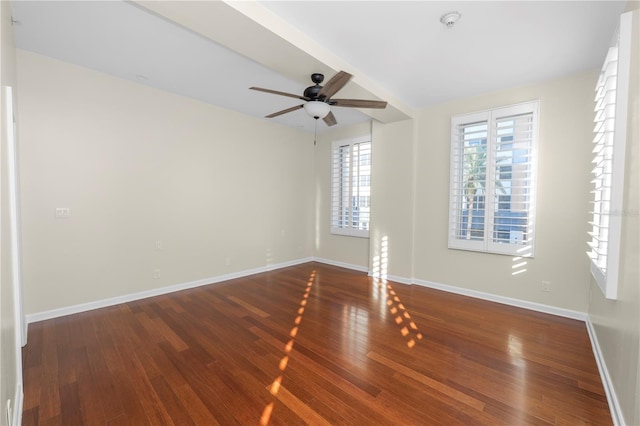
276	385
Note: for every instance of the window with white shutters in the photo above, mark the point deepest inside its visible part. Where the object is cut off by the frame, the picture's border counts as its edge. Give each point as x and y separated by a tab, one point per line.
351	187
492	188
608	161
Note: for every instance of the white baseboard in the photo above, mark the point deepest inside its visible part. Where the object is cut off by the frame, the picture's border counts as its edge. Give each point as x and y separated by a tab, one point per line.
83	307
341	264
394	278
18	401
69	310
533	306
607	383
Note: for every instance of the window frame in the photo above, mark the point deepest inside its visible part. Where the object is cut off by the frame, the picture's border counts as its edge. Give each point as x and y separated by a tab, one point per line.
491	118
364	161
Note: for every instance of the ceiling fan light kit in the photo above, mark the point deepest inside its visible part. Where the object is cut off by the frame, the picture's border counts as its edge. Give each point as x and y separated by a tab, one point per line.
317	109
318	101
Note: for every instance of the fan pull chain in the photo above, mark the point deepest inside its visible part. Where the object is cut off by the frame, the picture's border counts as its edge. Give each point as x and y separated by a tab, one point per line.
315	133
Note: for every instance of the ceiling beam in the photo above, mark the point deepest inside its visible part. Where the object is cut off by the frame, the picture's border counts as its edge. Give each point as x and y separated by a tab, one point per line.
254	31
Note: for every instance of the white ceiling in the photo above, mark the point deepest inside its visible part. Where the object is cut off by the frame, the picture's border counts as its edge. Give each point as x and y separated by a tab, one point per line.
398	51
494	45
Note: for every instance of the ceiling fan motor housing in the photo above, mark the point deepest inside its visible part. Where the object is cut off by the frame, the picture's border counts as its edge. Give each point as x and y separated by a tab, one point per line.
311	92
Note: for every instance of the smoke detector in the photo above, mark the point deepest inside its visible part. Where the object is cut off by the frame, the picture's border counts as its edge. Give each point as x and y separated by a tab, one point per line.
450	18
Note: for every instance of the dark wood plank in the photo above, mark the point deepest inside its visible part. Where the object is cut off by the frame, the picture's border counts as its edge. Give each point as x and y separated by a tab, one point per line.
311	344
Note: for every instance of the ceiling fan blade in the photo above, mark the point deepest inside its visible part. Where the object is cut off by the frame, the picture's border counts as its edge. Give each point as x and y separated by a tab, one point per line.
276	92
284	111
336	83
330	119
358	103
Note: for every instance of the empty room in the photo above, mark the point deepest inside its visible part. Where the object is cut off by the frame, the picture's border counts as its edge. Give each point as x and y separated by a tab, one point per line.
320	212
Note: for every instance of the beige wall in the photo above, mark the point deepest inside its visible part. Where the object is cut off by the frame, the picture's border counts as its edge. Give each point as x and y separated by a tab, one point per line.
353	251
410	184
566	107
617	322
410	181
223	192
392	200
10	381
137	165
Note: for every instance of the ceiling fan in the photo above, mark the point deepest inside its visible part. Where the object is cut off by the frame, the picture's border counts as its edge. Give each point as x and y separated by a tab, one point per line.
318	101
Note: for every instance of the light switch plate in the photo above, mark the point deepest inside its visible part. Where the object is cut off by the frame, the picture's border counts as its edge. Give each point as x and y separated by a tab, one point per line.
63	212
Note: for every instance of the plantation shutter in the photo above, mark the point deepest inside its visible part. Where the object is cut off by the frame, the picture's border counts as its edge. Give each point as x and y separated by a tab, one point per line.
468	189
492	188
513	180
340	194
611	110
351	187
603	159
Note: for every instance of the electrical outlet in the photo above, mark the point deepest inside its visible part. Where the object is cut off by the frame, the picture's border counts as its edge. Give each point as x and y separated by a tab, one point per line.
156	274
546	286
158	245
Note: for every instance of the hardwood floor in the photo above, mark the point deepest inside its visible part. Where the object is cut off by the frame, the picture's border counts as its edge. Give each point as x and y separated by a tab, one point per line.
311	344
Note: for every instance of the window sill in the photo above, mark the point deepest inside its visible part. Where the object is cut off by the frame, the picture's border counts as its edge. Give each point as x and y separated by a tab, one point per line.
350	232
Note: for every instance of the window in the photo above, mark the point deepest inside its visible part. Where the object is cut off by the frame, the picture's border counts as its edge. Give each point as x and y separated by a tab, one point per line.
351	186
493	175
609	152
